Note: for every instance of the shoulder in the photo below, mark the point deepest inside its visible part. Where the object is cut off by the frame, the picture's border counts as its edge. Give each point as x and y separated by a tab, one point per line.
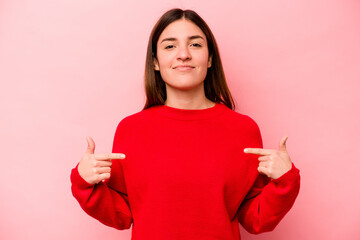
246	128
137	119
241	128
239	120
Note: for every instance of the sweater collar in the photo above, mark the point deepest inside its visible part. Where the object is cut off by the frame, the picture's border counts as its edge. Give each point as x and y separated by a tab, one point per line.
190	114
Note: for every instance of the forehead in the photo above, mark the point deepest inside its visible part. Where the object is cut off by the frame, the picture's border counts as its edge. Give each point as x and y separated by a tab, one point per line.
181	28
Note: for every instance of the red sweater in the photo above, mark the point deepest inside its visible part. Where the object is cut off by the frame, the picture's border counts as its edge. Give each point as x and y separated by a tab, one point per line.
185	176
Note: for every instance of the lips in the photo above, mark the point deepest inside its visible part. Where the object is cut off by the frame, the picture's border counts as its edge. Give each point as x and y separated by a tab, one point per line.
184	67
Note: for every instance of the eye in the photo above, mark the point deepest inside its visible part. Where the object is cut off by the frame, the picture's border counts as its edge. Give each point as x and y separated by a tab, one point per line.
196	45
169	46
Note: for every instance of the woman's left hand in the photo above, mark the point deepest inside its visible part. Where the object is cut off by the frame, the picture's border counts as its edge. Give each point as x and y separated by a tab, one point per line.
273	163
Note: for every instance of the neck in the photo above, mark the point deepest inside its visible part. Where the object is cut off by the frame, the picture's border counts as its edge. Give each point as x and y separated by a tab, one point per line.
187	99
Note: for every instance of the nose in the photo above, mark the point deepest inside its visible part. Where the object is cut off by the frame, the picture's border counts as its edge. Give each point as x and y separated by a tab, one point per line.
183	53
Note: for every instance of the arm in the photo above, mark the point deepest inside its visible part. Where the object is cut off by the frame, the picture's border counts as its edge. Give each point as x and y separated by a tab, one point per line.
108	205
267	203
101	202
275	188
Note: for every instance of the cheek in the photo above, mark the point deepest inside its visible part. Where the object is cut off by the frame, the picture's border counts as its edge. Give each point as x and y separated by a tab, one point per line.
203	58
164	60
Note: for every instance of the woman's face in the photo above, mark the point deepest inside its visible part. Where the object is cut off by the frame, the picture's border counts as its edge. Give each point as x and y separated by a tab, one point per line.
182	55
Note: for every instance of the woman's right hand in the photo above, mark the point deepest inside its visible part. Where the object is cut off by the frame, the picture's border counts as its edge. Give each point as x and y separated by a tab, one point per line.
94	168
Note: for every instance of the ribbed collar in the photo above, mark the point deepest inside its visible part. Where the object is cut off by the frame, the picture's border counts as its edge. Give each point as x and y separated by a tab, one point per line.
190	114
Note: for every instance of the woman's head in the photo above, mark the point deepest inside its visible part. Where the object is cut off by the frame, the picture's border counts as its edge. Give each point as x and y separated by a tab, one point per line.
215	85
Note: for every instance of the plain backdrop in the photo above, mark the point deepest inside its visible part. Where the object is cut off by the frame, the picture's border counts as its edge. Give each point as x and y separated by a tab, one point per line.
70	69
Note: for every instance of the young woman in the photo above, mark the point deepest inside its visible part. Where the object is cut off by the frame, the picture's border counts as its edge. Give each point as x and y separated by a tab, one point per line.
187	166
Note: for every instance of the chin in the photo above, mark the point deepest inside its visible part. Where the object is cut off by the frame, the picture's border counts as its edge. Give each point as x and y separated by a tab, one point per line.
185	87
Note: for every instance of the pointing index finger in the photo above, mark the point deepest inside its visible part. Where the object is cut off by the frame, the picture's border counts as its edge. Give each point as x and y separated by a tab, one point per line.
258	151
109	156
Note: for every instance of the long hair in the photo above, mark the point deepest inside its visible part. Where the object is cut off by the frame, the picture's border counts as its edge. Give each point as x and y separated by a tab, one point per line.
215	85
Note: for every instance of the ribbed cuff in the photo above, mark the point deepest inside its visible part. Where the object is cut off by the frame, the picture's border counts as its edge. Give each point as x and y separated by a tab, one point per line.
291	176
77	180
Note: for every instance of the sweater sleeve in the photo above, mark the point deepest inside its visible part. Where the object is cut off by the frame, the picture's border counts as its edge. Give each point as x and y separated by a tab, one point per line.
102	202
268	201
265	206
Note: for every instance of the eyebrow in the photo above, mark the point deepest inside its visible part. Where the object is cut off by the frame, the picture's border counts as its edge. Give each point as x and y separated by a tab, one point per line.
174	39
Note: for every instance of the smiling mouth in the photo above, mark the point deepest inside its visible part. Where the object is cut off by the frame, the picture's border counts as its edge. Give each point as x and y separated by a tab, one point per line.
184	68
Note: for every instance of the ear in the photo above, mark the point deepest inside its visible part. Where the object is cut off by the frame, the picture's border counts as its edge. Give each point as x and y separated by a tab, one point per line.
156	65
209	61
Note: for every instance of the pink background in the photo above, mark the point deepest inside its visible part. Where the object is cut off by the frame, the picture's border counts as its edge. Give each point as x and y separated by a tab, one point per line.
69	69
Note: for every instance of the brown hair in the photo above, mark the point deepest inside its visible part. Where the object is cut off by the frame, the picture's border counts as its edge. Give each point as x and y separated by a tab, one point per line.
215	85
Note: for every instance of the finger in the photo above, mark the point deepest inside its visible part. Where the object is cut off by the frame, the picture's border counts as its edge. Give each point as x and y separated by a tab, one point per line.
91	145
102	163
103	177
103	170
263	164
282	144
259	151
263	158
109	156
263	170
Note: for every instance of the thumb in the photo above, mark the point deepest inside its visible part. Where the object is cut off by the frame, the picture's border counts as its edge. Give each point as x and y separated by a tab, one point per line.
282	145
91	145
